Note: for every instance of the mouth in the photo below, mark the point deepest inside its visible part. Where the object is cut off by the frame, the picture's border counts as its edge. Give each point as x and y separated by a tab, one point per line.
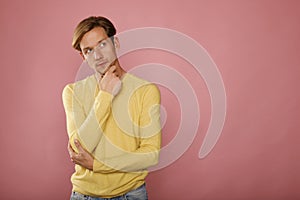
101	64
102	67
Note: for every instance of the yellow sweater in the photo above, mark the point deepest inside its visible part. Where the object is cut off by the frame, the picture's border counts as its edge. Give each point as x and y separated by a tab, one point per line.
123	134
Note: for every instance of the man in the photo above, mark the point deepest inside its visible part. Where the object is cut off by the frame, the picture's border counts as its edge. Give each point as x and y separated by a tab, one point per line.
113	120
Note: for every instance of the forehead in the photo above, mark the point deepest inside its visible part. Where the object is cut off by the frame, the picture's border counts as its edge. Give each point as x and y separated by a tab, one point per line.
92	37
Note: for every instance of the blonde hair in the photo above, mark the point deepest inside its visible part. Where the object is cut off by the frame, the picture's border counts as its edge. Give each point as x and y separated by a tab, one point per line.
88	24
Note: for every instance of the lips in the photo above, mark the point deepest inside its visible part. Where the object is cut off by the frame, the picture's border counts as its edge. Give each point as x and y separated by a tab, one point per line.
102	67
100	64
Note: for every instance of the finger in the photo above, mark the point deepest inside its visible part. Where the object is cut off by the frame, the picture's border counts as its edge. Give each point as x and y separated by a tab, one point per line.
68	147
115	73
70	150
74	161
109	70
75	158
73	155
112	69
78	145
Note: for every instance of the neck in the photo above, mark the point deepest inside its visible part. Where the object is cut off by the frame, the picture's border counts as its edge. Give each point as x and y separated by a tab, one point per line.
119	70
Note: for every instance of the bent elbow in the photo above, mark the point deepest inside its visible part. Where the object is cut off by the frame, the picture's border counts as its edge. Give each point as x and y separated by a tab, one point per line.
155	159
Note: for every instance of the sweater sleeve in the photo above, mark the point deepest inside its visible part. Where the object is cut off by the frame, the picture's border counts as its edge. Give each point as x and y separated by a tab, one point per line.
85	127
147	153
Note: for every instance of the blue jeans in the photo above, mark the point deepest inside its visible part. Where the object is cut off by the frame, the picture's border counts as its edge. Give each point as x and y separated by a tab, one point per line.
138	194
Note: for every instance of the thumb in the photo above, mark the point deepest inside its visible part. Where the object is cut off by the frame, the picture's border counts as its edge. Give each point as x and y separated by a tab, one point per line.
78	145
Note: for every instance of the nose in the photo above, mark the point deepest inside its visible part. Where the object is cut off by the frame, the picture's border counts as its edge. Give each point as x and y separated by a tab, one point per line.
97	54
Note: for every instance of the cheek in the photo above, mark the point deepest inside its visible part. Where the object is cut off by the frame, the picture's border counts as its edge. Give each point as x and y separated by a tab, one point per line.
109	51
110	54
90	62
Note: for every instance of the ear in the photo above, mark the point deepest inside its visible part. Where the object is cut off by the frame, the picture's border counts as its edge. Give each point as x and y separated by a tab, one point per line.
117	43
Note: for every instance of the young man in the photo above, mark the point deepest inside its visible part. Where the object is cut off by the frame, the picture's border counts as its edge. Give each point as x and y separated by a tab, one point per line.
113	120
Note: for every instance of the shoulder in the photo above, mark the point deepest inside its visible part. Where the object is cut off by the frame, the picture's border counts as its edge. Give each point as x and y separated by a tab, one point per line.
141	86
132	79
78	86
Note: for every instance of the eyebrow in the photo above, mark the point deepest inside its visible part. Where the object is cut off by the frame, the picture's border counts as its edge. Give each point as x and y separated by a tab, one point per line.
86	48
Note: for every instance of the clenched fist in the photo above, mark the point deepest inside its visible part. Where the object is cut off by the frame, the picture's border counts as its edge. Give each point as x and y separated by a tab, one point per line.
110	82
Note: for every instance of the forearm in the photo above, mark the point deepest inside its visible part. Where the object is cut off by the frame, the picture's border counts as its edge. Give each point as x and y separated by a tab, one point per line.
90	132
147	151
88	129
116	159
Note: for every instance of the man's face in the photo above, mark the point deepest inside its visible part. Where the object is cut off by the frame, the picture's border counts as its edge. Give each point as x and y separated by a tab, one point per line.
98	49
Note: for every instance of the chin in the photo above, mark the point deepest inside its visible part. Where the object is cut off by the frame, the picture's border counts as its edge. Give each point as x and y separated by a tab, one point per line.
101	70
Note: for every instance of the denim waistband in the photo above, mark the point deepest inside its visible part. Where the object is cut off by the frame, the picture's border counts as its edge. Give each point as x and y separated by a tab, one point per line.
140	191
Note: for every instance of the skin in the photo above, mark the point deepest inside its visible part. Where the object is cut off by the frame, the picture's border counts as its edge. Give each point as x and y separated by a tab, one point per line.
108	73
83	158
104	61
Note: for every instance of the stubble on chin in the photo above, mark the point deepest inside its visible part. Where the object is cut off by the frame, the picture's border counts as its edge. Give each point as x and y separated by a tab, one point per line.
101	70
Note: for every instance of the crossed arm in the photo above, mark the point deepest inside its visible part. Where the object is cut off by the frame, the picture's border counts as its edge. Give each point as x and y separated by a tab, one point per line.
146	155
83	157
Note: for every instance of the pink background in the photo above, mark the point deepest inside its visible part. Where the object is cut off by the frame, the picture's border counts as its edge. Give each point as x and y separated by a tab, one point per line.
256	46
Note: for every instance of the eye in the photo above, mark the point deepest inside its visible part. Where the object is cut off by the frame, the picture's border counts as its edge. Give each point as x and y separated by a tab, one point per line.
102	44
87	51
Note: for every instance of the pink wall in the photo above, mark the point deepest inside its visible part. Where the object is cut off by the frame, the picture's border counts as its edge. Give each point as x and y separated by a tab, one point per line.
256	46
